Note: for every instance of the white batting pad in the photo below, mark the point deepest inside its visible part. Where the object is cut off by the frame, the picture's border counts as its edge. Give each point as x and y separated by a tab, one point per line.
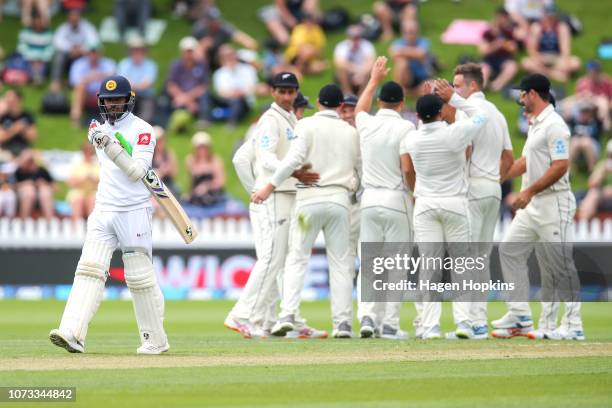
147	297
87	290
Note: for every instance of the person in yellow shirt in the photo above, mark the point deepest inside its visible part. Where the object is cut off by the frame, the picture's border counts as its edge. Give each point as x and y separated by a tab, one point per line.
306	44
83	183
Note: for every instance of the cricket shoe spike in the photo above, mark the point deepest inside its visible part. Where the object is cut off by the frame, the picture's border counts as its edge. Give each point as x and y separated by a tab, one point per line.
151	349
238	325
66	341
283	326
367	327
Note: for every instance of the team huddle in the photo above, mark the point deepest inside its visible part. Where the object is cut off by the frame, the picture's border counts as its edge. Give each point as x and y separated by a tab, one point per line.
357	178
348	174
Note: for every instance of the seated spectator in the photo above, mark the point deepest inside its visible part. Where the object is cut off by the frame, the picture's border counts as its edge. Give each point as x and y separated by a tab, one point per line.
524	12
306	46
164	160
282	16
132	13
212	32
34	186
394	12
17	129
347	110
86	75
498	49
207	173
83	183
585	137
549	48
70	42
30	7
35	44
234	85
300	104
354	58
188	82
142	73
599	194
8	197
412	58
595	87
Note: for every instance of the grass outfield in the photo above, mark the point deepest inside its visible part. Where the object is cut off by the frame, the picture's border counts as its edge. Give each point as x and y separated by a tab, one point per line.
209	365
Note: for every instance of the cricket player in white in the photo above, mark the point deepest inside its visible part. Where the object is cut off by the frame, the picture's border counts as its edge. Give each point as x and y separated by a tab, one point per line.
332	147
437	164
491	153
255	161
121	217
386	209
545	215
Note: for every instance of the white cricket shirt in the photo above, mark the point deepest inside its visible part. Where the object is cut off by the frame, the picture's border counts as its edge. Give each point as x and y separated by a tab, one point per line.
116	192
547	141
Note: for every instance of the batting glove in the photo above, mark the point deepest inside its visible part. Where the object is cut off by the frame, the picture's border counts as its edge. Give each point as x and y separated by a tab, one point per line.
96	135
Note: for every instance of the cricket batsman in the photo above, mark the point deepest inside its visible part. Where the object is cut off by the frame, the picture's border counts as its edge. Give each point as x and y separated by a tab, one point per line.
121	218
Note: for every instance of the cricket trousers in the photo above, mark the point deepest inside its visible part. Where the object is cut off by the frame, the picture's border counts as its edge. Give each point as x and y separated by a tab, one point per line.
440	220
270	220
385	224
328	213
546	224
484	197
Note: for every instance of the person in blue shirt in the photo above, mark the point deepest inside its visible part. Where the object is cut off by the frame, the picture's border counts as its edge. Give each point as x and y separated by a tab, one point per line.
412	58
142	73
86	75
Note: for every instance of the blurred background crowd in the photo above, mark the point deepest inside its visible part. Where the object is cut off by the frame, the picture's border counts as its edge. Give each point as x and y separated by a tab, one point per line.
200	69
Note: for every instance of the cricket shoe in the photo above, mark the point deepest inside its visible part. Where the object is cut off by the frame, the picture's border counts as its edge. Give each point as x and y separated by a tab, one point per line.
66	341
391	333
283	326
151	349
511	325
238	325
464	331
561	334
367	327
343	331
306	332
538	334
480	332
431	334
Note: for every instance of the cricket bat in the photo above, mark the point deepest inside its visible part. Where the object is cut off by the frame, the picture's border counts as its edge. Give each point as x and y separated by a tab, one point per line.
165	199
171	206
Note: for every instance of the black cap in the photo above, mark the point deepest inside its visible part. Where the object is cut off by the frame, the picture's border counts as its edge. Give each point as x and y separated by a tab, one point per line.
285	80
115	86
350	100
428	106
391	92
302	102
331	96
537	82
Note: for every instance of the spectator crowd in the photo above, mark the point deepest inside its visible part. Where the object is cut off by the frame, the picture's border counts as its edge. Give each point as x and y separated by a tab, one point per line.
220	72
